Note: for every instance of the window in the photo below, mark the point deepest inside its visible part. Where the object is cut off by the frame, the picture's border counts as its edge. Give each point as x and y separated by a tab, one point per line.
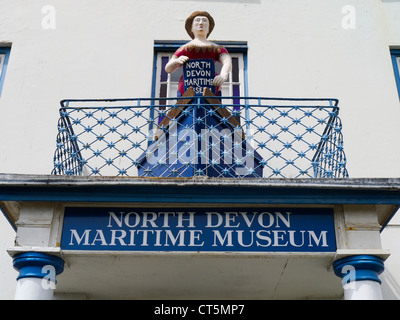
4	55
166	85
396	67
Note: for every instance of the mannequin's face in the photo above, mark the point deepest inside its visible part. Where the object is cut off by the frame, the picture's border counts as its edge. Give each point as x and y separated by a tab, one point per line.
200	26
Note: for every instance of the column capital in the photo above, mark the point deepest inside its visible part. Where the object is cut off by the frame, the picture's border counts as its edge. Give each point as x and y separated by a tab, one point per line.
367	267
30	264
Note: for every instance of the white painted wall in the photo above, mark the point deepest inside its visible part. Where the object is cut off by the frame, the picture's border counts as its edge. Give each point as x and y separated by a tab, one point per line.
8	275
104	49
100	49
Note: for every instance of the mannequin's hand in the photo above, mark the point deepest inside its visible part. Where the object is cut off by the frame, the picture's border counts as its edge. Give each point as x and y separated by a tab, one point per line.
181	60
175	63
220	79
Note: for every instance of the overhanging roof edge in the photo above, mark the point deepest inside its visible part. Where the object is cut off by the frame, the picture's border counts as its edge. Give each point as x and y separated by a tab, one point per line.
127	189
200	190
54	180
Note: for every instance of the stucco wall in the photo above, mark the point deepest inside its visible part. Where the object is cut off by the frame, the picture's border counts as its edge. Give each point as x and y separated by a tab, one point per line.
100	49
104	49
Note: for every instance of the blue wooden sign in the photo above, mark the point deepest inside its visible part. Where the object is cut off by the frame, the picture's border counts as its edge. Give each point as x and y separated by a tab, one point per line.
199	74
199	229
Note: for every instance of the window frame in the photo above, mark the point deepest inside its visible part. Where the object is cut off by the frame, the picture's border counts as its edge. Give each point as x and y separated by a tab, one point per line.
395	55
170	46
3	67
173	45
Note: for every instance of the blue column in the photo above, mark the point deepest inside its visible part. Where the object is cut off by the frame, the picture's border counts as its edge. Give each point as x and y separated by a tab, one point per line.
33	267
360	276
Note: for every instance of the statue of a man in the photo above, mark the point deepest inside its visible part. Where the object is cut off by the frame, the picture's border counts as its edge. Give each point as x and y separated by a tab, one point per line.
199	25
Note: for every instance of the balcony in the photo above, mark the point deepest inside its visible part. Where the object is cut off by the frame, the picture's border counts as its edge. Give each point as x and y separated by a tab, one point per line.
237	137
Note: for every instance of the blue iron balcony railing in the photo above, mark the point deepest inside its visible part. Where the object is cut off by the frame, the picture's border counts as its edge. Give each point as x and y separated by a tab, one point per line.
238	137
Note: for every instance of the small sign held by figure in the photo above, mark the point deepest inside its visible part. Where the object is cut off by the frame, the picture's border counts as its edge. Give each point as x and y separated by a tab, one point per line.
199	74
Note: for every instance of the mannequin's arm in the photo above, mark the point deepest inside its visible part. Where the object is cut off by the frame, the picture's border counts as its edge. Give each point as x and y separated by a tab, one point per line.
226	61
174	63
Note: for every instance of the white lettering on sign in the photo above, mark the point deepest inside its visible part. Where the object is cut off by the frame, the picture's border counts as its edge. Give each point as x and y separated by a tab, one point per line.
211	229
199	73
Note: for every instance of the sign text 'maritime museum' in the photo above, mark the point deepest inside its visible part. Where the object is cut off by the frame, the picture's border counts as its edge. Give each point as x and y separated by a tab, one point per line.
199	229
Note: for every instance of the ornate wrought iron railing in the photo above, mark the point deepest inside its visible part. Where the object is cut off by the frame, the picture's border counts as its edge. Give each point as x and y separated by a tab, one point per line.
209	136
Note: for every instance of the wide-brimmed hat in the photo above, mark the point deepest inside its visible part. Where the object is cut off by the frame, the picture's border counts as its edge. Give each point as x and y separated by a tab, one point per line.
189	22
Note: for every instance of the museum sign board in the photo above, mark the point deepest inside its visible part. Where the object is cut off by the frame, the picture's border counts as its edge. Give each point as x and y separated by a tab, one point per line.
199	229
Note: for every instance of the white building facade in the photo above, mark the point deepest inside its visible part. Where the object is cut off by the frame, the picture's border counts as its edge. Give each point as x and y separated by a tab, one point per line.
345	50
